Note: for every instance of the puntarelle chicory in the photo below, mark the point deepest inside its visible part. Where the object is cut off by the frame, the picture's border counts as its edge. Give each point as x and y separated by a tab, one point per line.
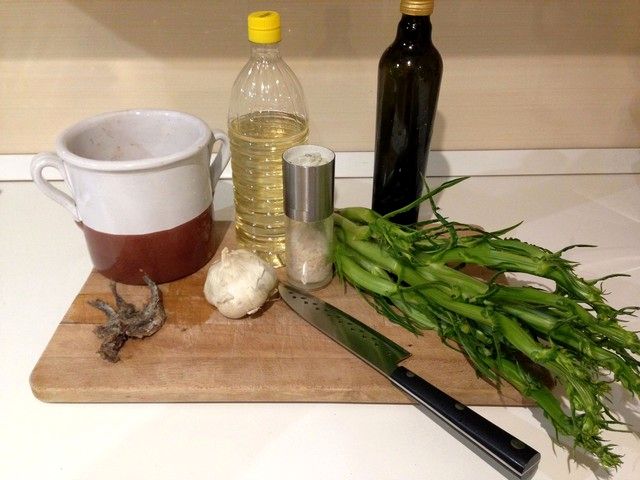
412	275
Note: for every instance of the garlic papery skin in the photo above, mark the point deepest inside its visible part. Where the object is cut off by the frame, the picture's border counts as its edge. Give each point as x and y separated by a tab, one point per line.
239	283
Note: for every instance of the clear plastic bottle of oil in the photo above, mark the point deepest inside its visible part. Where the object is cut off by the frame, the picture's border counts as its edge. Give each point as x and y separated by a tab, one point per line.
267	115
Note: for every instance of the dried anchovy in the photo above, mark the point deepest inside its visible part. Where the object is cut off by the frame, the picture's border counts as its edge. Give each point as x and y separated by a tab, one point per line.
125	321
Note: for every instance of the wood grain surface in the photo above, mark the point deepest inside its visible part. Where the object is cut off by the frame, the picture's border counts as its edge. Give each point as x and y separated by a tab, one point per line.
272	356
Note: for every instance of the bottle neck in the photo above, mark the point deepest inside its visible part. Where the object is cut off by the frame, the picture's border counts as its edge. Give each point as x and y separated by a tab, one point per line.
265	50
414	29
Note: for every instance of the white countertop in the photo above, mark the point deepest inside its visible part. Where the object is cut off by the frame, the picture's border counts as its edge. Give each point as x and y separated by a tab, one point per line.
43	264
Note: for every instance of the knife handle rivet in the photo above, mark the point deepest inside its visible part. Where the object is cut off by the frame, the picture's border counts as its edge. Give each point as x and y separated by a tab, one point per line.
459	406
517	444
410	374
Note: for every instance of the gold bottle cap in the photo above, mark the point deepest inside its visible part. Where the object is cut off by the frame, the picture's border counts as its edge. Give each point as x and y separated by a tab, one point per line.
417	8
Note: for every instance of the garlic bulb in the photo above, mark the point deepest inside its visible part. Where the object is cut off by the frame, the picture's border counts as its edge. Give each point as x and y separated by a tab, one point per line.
239	283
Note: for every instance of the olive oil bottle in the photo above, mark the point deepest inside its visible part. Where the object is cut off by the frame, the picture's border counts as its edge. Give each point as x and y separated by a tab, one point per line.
409	76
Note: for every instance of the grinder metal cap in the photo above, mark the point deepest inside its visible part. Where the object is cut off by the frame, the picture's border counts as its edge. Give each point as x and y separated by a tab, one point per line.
308	172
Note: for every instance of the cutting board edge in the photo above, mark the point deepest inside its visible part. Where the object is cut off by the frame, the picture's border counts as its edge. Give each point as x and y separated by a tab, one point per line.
59	396
50	394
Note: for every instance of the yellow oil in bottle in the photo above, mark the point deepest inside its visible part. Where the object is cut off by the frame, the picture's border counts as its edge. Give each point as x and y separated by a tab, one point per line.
257	142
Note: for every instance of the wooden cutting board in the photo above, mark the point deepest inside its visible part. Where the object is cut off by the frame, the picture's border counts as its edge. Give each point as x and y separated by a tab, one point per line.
273	356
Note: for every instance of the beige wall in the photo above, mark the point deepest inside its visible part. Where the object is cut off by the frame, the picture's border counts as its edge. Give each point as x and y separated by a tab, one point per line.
518	74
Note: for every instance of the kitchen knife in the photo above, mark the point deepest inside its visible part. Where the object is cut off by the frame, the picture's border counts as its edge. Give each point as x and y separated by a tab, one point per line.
503	451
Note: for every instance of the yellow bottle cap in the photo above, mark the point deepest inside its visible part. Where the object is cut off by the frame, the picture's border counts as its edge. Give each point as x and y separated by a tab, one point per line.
417	8
264	27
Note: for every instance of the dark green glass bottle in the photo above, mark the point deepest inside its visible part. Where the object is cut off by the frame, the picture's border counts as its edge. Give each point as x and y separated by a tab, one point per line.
409	76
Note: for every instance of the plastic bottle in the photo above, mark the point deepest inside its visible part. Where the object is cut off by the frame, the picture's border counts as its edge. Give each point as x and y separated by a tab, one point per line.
409	75
267	115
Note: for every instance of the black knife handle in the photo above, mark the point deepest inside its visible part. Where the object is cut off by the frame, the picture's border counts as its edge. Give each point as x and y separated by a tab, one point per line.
516	457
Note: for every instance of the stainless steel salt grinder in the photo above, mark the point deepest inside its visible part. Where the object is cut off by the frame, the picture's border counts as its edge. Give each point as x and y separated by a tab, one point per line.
308	175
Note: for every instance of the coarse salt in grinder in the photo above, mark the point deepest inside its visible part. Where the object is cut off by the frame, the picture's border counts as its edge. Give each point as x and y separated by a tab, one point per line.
308	172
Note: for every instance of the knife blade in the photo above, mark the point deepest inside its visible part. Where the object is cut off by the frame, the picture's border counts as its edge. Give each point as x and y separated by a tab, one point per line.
502	450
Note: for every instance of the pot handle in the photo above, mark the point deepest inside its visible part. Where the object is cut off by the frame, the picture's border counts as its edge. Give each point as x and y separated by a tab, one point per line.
222	157
50	159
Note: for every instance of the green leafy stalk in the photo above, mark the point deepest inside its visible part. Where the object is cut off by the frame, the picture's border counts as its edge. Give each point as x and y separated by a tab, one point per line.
412	276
